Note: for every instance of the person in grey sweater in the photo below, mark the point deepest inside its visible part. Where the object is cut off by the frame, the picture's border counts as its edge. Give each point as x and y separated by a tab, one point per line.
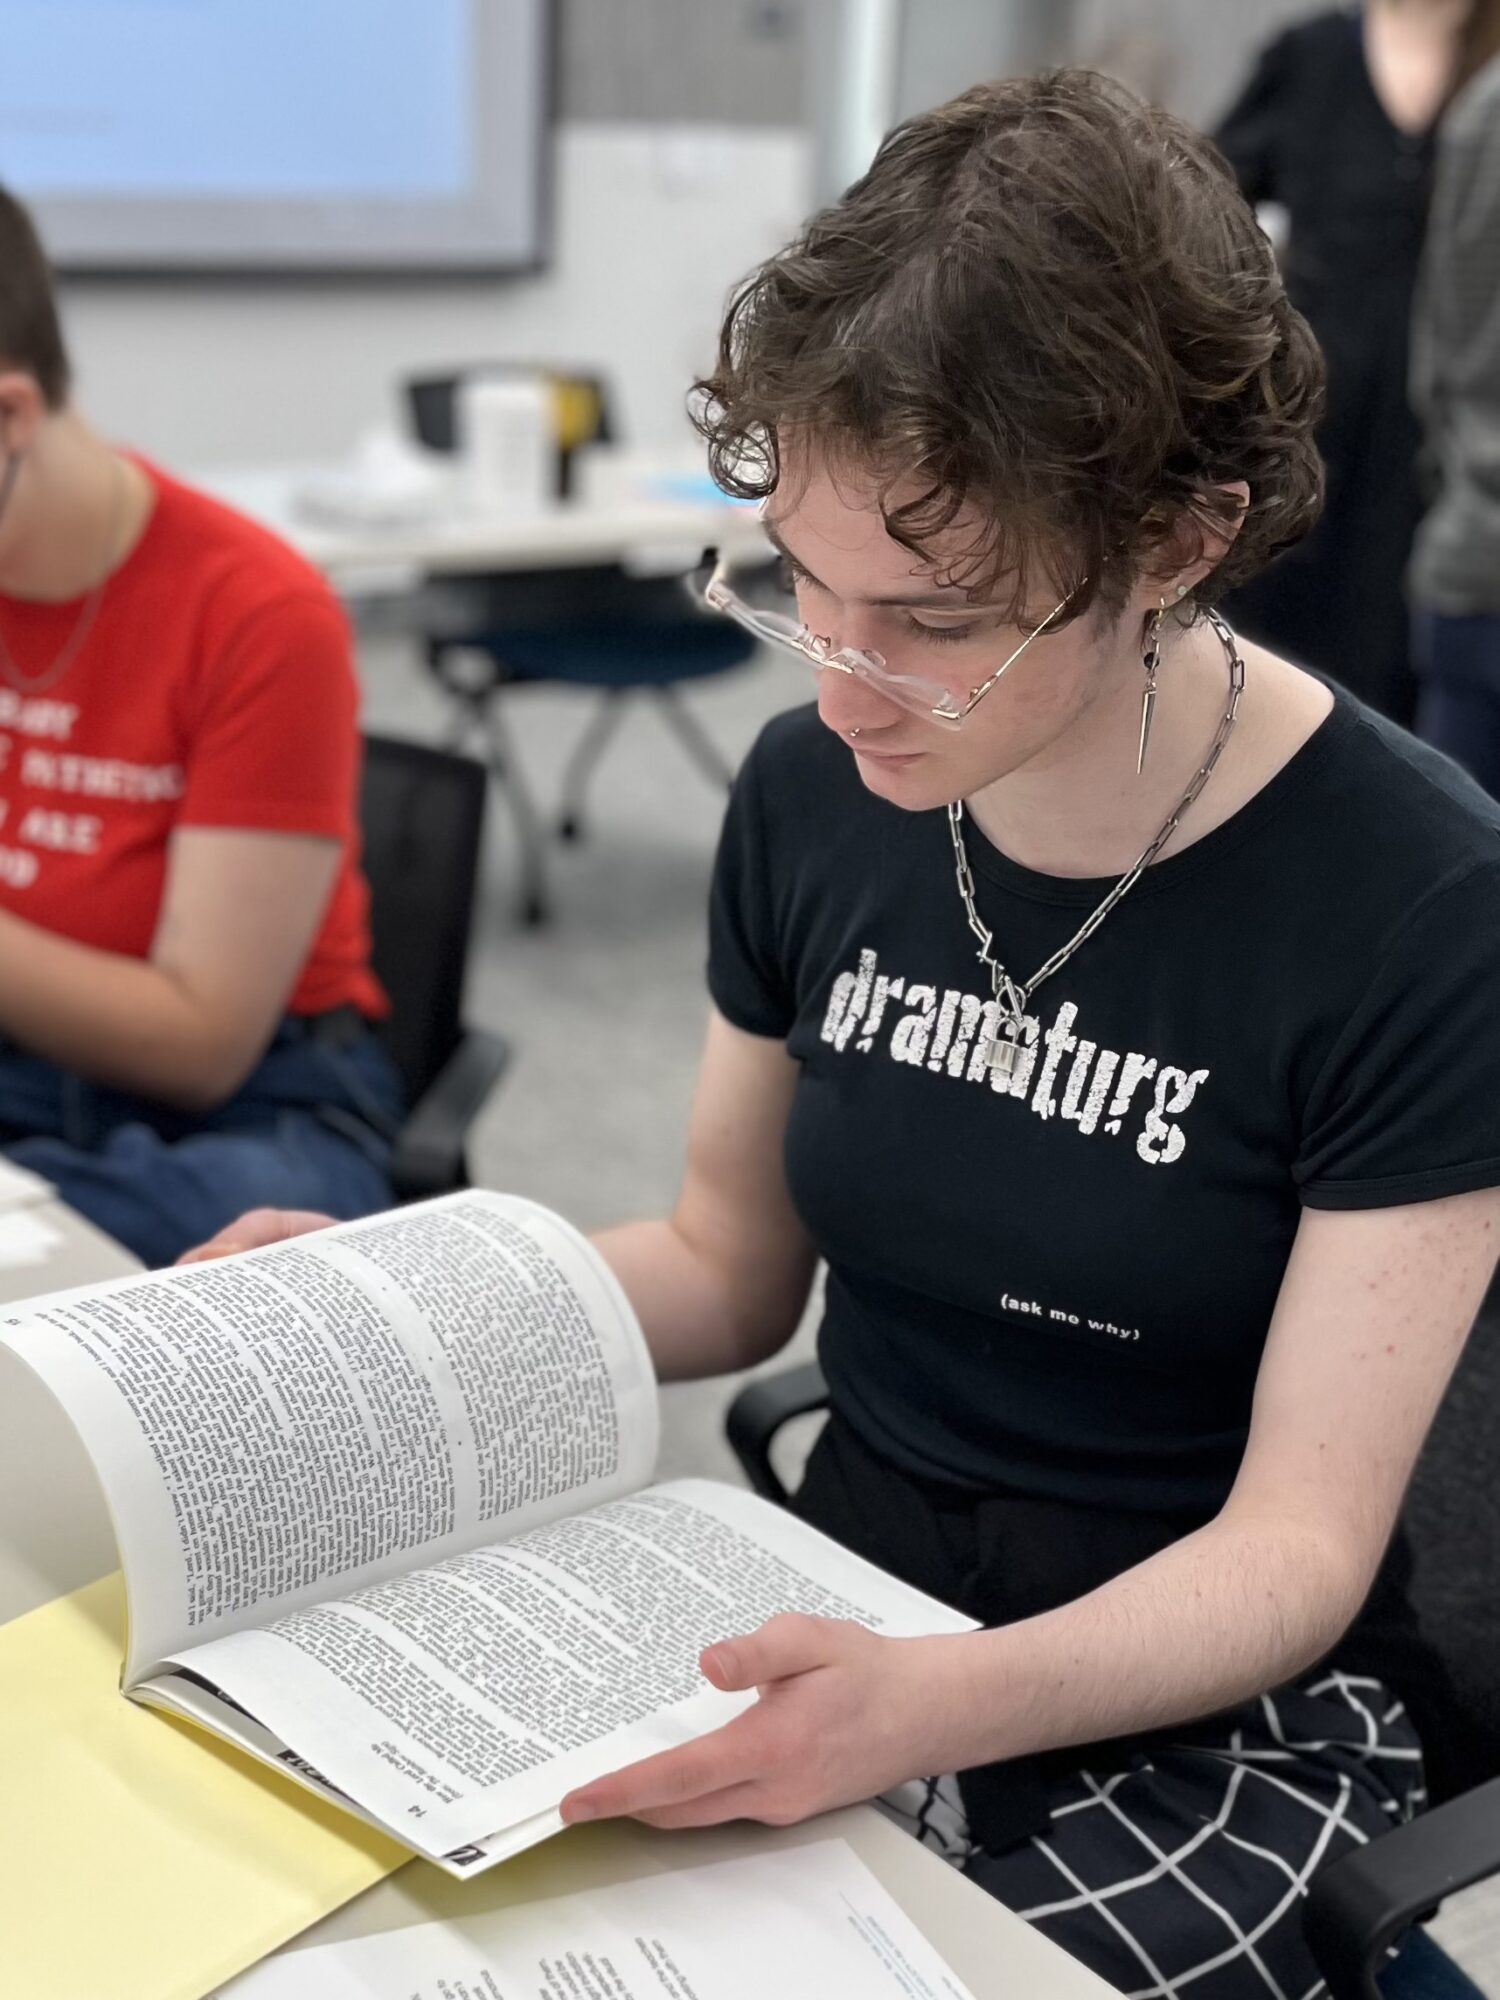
1455	572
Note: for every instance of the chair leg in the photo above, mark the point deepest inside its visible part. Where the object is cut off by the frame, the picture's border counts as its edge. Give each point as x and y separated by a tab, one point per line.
533	906
475	720
459	735
602	727
466	734
693	737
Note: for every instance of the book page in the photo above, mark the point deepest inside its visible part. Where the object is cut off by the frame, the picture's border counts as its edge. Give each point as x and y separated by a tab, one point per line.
177	1691
324	1413
801	1923
462	1701
182	1694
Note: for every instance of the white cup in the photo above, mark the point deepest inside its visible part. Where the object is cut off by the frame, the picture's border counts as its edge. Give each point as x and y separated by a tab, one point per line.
505	435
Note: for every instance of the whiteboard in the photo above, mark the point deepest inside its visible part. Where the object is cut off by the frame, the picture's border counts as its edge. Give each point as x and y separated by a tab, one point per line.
304	136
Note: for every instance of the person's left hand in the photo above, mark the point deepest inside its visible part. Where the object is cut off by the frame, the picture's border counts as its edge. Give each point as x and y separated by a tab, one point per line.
843	1714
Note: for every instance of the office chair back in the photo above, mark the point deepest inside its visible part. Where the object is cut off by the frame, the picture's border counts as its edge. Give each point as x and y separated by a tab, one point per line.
422	812
1453	1516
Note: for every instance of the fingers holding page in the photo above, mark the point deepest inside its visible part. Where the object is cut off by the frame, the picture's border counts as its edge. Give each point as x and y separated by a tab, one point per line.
254	1230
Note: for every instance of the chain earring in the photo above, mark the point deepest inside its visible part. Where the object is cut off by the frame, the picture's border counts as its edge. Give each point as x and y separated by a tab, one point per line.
1151	661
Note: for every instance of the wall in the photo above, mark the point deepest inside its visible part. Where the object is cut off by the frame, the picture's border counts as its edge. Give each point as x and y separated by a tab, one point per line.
1183	53
678	162
1188	54
652	225
735	62
680	159
949	45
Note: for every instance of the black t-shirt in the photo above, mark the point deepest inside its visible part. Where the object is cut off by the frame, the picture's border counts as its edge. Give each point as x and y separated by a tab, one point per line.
1062	1289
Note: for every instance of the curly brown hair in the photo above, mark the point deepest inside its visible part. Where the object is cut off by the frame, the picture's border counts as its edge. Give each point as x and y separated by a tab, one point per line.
1048	306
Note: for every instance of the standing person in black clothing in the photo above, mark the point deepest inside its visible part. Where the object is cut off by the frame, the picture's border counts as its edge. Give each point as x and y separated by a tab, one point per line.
1455	572
1111	1007
1337	125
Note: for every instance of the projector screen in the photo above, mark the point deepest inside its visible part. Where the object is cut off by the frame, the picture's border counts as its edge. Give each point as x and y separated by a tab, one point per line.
277	135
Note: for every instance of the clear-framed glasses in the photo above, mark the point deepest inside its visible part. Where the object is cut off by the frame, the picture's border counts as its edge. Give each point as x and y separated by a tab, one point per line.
924	697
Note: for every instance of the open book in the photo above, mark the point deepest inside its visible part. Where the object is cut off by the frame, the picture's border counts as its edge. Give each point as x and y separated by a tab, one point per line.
380	1495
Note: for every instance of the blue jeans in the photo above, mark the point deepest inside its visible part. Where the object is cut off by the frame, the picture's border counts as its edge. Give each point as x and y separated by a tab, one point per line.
1458	696
310	1128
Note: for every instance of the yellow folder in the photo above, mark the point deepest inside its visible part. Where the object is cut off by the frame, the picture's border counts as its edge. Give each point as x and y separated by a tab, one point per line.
140	1859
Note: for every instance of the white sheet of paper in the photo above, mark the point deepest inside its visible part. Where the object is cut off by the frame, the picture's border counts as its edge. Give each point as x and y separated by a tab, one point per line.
24	1238
799	1924
20	1187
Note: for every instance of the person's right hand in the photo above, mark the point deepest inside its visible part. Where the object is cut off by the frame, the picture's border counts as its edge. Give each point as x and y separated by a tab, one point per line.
256	1228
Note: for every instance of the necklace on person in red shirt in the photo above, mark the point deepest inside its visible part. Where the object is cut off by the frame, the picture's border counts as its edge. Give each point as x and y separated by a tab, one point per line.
43	682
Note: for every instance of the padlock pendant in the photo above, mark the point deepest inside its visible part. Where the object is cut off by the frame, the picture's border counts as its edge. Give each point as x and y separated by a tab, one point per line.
1004	1052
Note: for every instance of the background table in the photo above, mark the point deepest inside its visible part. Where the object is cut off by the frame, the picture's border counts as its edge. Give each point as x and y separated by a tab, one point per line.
55	1536
630	511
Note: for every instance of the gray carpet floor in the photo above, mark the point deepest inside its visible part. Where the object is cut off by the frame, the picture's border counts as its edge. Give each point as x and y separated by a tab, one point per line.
606	1009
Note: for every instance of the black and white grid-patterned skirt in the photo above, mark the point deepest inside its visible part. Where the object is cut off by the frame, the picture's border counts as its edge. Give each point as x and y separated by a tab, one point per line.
1183	1877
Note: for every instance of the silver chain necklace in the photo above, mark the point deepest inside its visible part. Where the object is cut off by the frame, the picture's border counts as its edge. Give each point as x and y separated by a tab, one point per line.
43	682
1012	997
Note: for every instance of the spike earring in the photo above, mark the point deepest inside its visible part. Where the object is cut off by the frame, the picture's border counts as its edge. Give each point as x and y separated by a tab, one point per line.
1151	660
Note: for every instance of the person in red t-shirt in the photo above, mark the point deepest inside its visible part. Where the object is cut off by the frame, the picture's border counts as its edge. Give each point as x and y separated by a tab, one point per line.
186	999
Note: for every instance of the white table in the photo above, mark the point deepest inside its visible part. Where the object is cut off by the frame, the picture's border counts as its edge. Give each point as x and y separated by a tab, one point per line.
55	1536
643	513
619	520
996	1955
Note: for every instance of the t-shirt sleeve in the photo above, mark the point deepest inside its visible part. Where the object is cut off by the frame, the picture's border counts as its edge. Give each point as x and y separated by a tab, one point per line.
273	736
747	980
1406	1106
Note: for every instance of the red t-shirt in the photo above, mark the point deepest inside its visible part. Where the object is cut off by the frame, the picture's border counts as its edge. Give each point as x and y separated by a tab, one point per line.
215	688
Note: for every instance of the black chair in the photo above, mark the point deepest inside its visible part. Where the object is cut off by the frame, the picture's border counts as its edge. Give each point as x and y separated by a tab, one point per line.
422	813
1364	1901
760	1411
599	627
1360	1902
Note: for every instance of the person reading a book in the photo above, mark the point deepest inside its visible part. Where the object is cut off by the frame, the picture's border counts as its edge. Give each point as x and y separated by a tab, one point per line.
185	985
1111	1007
